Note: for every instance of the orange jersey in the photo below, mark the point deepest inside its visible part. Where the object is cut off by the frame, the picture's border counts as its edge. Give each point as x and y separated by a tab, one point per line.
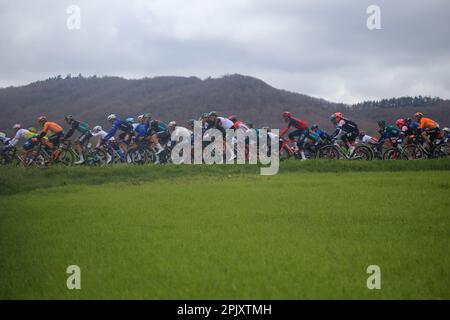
52	127
427	123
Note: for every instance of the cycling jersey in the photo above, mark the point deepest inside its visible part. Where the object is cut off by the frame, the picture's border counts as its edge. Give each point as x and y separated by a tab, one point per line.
323	135
118	125
141	130
427	123
347	126
158	126
22	134
389	131
53	127
225	123
101	134
5	140
300	125
369	139
240	125
79	126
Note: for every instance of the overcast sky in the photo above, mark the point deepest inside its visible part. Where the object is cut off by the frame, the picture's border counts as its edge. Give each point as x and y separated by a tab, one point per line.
317	47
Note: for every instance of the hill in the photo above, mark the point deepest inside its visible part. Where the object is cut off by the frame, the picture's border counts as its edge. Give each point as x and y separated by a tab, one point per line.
183	98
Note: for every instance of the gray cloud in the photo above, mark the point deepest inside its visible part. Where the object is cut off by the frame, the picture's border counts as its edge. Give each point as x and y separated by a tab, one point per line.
322	48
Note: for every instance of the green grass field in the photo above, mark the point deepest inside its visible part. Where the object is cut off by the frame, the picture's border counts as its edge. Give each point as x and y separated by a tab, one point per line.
225	232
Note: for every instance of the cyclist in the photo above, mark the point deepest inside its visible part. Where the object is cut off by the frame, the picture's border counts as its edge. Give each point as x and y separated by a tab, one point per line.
346	130
366	139
322	134
55	130
215	122
29	137
117	124
142	128
238	124
130	120
388	133
98	131
446	134
408	131
302	131
4	139
429	128
85	135
159	135
176	132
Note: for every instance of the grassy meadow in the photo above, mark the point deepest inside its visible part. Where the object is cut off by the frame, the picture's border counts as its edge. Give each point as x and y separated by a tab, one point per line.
225	232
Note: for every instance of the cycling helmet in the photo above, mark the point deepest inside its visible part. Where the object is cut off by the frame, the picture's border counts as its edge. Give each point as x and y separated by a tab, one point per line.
112	117
191	122
446	130
408	120
68	118
361	134
2	134
129	120
314	126
42	119
172	124
418	115
205	115
213	114
232	118
338	116
140	118
97	129
400	122
32	129
17	126
287	114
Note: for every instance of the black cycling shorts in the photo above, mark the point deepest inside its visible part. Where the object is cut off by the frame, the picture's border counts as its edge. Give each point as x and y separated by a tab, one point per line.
84	137
350	137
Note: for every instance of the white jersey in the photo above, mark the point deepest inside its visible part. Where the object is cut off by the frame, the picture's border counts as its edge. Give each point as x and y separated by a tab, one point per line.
226	123
368	139
101	134
181	131
5	140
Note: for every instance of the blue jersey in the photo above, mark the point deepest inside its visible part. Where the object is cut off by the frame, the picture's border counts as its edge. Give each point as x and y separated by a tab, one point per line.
118	125
142	130
322	134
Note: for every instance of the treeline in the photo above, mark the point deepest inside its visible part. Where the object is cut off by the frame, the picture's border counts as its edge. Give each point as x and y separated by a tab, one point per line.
416	101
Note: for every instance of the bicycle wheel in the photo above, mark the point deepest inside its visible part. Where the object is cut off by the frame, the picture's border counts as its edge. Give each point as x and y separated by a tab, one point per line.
96	157
442	151
362	153
36	159
150	155
284	154
414	152
392	154
66	157
136	156
329	152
